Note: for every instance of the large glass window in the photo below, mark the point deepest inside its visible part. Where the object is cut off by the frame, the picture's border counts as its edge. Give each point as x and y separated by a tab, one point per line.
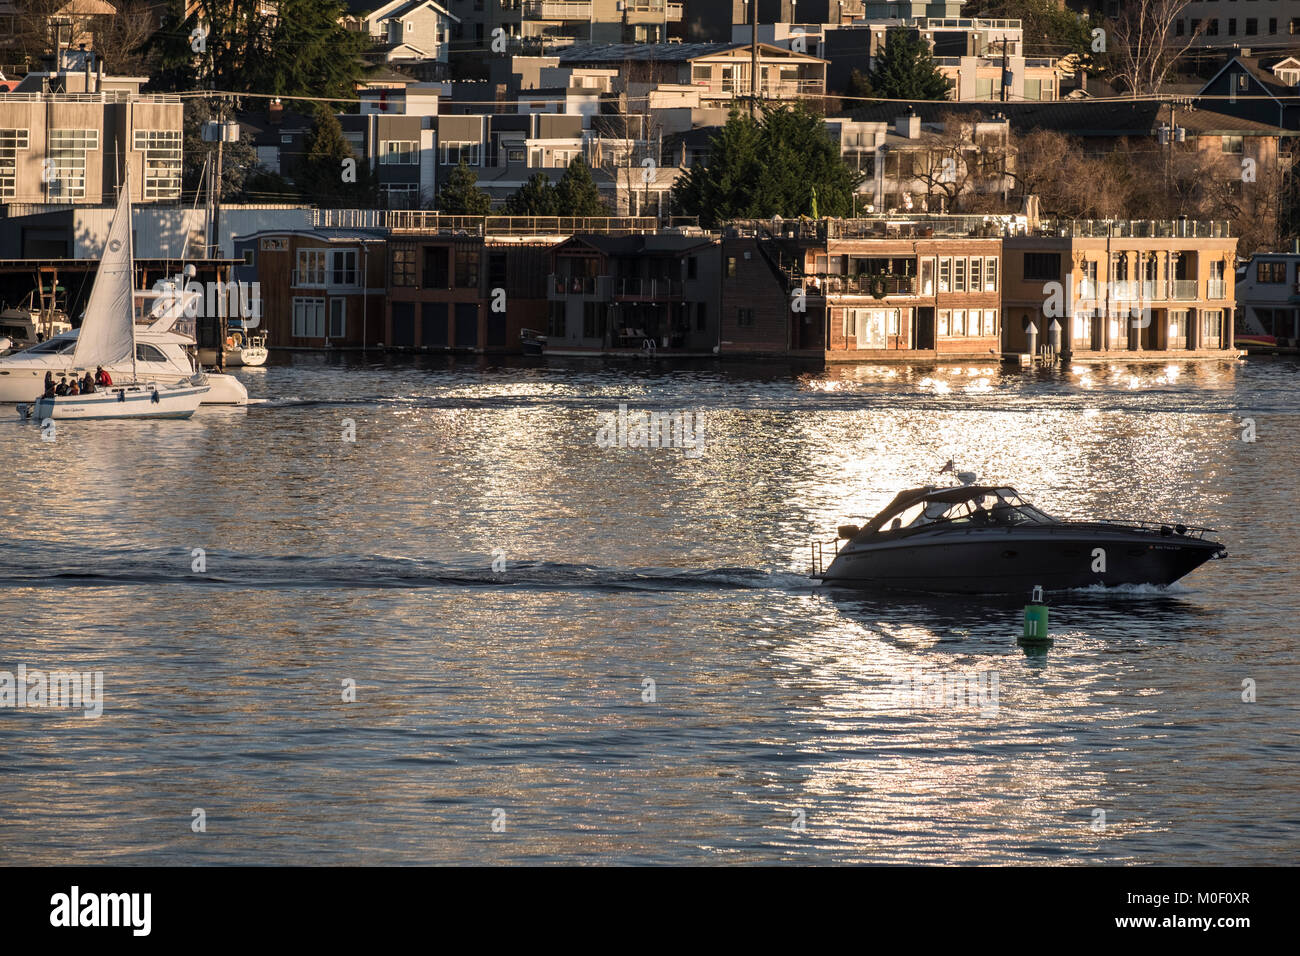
162	162
453	151
311	267
338	318
308	318
1270	271
343	267
398	152
402	262
67	155
11	140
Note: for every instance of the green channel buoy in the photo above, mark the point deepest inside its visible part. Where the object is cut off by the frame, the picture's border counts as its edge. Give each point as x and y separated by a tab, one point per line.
1036	620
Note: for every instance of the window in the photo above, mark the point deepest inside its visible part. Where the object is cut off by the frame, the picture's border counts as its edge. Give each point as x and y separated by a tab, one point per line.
1252	26
990	323
593	320
556	327
311	267
1233	144
927	277
976	274
988	89
402	264
466	268
945	274
162	162
338	318
1272	24
453	151
958	321
1270	271
991	274
1043	266
343	267
1034	88
1179	28
959	274
1211	326
308	318
400	195
147	353
744	317
398	152
731	267
1212	28
692	267
516	154
11	140
945	321
496	270
67	156
1232	26
250	257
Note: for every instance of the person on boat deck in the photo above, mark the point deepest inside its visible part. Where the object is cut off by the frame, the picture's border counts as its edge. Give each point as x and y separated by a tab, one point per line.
88	384
102	378
49	385
75	387
62	387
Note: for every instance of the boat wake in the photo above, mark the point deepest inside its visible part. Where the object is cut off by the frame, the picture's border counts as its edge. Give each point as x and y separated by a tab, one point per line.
50	565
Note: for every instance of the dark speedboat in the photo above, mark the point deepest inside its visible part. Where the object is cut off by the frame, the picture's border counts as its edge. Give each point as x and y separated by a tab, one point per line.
986	539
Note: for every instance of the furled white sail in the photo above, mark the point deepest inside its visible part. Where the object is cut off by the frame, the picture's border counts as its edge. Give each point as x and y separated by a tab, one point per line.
107	334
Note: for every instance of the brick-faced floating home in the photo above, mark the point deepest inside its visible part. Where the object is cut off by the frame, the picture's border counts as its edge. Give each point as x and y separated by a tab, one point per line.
319	288
1135	288
915	289
638	293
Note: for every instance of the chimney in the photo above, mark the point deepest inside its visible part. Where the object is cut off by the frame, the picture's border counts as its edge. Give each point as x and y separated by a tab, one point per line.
275	112
908	126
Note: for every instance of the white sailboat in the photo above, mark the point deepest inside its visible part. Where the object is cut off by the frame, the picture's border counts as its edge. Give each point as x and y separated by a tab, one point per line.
107	338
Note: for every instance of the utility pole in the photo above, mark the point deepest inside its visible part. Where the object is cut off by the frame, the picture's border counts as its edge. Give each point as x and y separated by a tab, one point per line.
753	59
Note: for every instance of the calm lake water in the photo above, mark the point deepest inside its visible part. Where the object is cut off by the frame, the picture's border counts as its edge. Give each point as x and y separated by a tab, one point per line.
508	716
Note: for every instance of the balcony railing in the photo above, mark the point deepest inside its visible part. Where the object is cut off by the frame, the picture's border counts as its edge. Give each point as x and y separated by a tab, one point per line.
636	288
780	88
857	285
557	9
306	277
1216	288
431	222
579	285
1137	228
1184	289
662	10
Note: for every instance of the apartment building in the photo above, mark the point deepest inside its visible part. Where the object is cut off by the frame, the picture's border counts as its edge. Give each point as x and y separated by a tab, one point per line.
71	135
982	59
1271	25
543	26
1122	287
941	166
1268	298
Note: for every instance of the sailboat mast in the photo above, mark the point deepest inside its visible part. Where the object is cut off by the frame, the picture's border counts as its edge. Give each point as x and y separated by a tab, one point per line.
130	259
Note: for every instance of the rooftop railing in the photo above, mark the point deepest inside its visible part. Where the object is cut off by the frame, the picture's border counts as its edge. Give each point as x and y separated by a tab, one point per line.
428	221
105	96
882	227
1136	228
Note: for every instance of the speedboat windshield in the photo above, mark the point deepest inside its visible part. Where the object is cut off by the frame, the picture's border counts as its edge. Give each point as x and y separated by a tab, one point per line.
1002	507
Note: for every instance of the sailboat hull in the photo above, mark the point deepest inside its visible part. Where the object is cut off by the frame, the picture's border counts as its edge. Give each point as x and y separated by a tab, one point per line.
127	402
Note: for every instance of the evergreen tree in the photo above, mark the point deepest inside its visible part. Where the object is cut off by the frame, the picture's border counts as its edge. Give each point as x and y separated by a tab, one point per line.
859	85
905	70
772	167
460	195
577	193
331	174
537	197
309	52
174	60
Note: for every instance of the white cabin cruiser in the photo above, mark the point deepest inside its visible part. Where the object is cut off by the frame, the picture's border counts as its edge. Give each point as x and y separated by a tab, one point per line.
106	340
161	353
244	349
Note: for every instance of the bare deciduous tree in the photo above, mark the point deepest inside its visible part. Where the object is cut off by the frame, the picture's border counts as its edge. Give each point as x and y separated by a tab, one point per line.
1144	45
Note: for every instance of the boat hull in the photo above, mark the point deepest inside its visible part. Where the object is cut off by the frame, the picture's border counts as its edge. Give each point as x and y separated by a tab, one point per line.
128	402
1010	561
